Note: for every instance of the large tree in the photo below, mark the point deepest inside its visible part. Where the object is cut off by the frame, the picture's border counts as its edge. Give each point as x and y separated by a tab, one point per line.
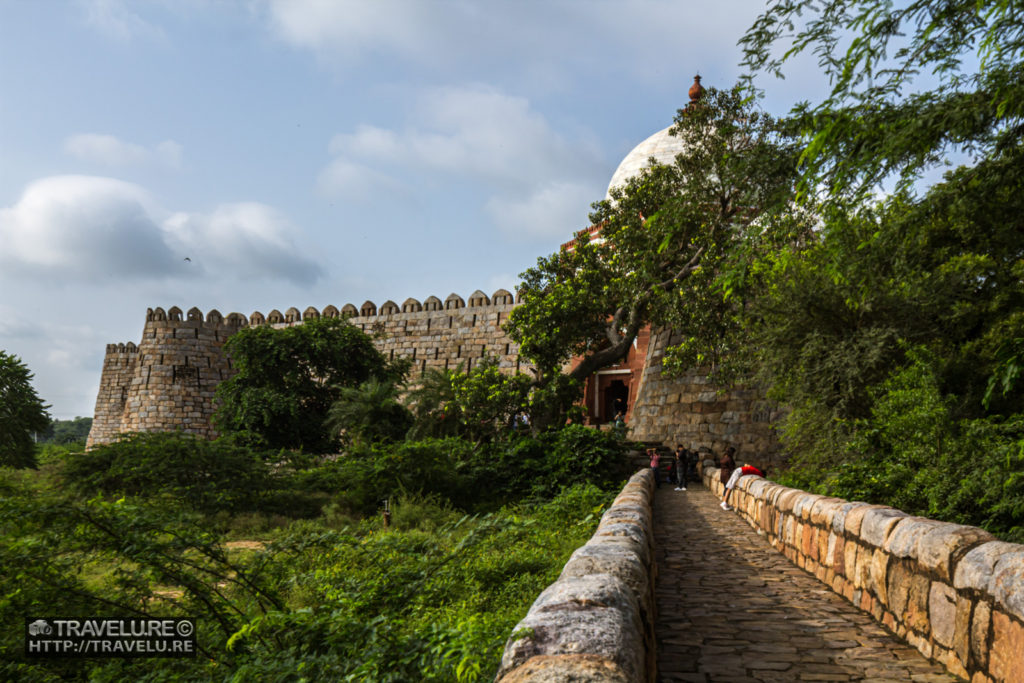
668	248
911	81
897	337
287	379
22	413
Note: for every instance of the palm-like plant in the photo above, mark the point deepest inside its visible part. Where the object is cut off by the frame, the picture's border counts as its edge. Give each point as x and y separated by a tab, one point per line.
433	404
369	413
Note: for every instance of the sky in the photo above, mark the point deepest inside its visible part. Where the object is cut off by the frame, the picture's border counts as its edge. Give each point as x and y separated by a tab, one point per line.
249	155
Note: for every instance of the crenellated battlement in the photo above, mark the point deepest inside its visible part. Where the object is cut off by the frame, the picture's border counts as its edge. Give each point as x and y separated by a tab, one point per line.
128	347
169	380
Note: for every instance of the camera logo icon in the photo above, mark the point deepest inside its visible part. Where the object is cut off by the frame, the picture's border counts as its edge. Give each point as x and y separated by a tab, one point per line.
39	627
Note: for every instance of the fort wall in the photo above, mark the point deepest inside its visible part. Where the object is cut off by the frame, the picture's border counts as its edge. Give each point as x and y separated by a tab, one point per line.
691	411
118	369
168	382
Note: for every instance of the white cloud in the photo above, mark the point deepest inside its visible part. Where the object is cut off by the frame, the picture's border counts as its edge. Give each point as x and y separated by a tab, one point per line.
247	240
87	228
475	131
552	211
84	227
169	152
355	182
478	136
111	151
351	28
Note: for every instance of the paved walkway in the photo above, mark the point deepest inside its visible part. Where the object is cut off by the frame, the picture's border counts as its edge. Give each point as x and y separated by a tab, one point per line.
732	608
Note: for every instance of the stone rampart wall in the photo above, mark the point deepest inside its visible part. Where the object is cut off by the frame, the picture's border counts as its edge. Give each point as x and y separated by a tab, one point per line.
118	369
596	622
691	411
954	592
168	382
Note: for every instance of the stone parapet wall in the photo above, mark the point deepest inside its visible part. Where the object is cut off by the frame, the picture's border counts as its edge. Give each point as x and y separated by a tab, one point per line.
595	624
954	592
691	411
445	339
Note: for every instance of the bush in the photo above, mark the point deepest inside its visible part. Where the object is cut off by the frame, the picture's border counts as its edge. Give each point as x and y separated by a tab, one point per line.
544	465
207	476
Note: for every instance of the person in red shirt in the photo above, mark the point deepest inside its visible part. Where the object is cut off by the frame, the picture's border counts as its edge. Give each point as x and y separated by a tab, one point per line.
741	472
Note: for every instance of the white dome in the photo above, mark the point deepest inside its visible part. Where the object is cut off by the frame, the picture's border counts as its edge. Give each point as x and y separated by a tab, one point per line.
662	146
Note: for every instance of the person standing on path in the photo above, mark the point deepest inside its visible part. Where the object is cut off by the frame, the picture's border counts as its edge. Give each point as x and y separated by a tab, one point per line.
655	465
682	467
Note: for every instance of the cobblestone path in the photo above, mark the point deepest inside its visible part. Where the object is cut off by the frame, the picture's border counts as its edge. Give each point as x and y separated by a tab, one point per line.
731	608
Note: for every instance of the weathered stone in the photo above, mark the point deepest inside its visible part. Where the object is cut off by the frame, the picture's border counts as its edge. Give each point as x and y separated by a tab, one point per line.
567	669
638	548
803	504
940	547
591	590
879	569
635	532
608	632
903	540
625	514
981	625
855	516
824	510
962	628
942	613
617	561
975	569
897	591
878	524
1007	583
916	616
1006	658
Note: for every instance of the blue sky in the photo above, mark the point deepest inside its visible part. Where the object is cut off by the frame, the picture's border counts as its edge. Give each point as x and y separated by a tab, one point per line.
314	152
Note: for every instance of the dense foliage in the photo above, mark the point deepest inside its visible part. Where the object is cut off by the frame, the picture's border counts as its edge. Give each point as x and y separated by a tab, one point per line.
312	585
910	81
896	332
22	413
433	598
287	379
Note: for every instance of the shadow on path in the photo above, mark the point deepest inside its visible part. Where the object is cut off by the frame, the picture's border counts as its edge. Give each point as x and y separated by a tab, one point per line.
732	608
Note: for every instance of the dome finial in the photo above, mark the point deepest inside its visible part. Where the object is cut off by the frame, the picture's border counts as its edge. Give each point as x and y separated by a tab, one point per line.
696	90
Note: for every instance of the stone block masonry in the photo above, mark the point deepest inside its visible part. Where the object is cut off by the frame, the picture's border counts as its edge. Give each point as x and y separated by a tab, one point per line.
953	592
689	410
168	381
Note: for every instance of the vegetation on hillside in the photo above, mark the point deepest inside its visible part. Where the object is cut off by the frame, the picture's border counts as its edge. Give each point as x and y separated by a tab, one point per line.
285	558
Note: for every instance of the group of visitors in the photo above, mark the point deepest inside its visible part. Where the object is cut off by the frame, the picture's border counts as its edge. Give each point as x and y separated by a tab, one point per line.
683	468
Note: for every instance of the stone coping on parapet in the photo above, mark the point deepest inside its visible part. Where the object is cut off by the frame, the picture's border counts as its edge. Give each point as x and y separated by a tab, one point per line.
954	592
596	622
501	298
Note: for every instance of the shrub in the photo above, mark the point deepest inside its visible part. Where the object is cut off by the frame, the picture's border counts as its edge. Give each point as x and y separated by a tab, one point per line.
205	475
